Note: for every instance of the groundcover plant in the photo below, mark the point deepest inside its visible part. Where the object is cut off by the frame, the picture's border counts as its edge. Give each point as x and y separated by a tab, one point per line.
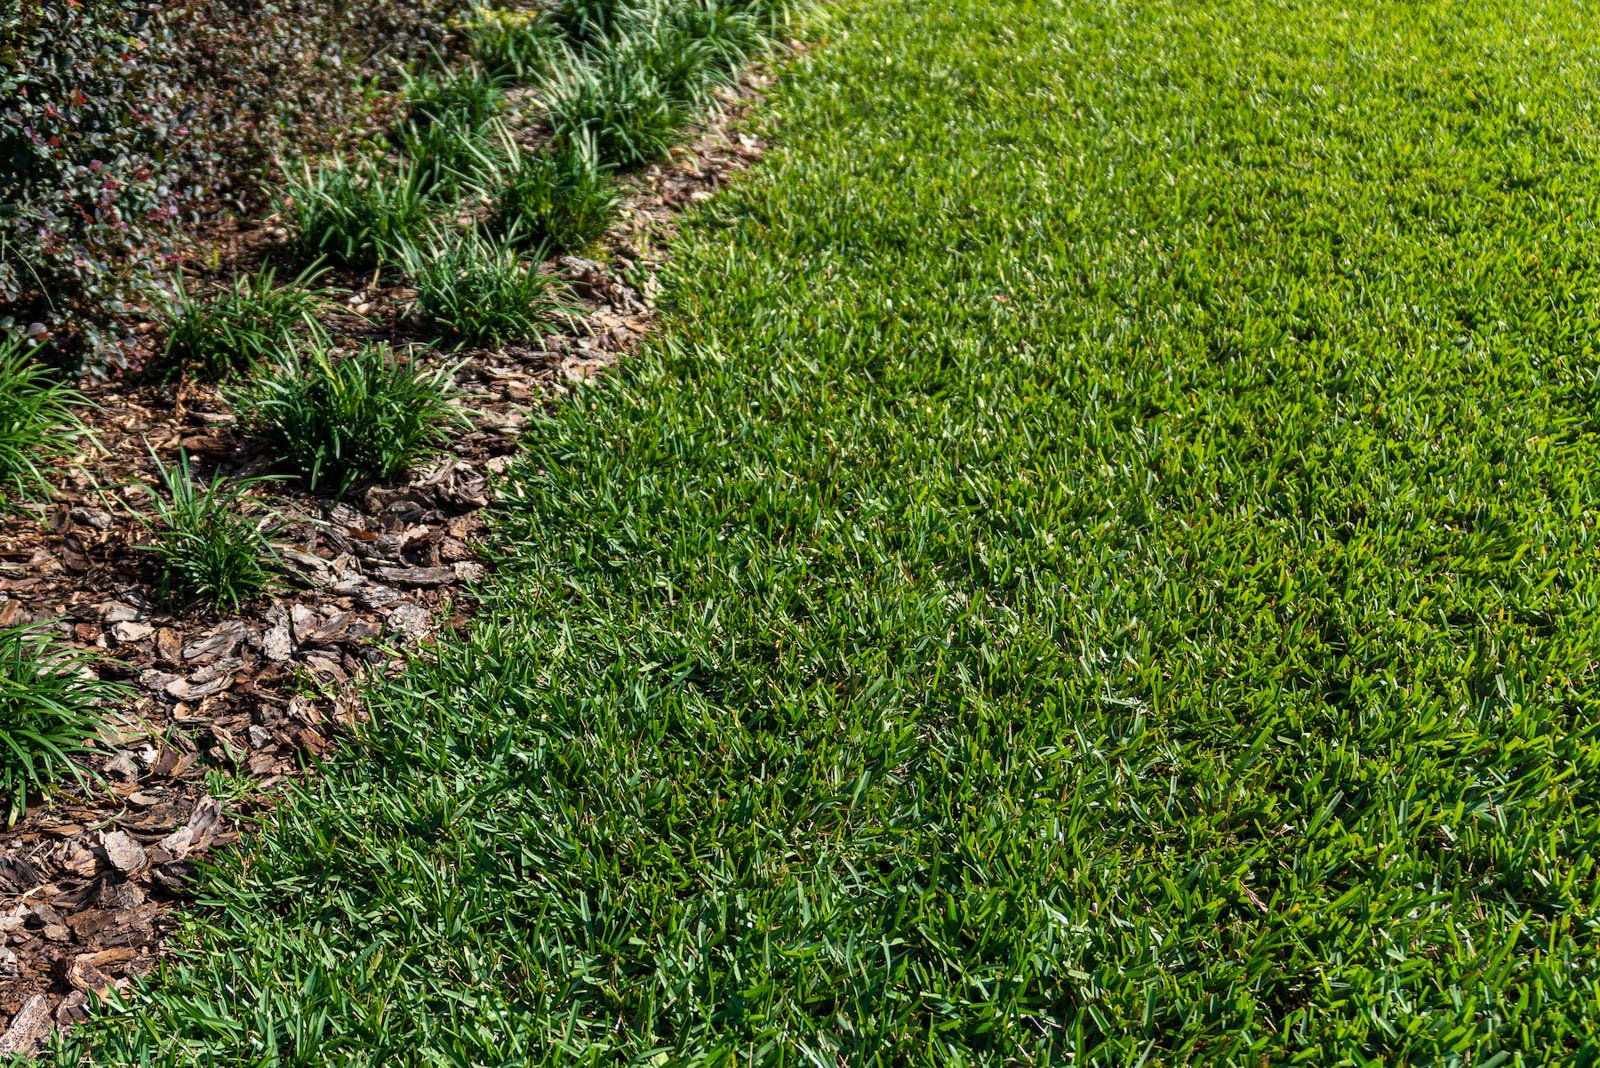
1098	566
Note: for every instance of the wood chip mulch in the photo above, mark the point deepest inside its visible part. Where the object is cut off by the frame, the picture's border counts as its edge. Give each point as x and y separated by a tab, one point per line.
90	878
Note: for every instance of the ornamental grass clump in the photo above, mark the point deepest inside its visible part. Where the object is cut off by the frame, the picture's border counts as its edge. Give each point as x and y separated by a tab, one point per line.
51	711
512	46
336	420
481	291
243	323
561	199
467	94
209	545
632	114
357	213
38	424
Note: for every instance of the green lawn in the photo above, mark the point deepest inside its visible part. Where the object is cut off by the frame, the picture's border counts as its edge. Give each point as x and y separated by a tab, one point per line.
1099	566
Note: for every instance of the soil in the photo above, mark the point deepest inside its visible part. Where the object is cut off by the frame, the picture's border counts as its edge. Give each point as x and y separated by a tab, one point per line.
90	878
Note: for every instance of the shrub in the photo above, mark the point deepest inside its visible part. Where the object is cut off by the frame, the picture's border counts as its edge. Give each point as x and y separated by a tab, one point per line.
632	116
482	291
358	213
207	547
512	45
247	322
369	415
49	712
120	114
562	199
37	424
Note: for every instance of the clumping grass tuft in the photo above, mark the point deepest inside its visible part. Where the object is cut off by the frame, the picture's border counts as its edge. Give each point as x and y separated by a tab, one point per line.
50	712
594	21
249	321
208	548
444	154
482	291
512	46
620	101
38	424
356	213
561	199
334	421
465	94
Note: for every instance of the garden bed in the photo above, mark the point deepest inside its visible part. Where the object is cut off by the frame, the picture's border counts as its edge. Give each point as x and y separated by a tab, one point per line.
230	703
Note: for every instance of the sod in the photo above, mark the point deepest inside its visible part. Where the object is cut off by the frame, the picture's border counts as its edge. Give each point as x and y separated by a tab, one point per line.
1100	562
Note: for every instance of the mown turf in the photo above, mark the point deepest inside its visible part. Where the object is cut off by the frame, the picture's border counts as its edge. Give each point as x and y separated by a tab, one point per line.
1099	563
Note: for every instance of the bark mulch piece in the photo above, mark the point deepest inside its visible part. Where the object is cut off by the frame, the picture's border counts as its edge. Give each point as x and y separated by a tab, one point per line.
88	880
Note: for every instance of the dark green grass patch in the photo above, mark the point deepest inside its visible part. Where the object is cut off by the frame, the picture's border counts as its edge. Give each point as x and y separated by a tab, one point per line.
1099	567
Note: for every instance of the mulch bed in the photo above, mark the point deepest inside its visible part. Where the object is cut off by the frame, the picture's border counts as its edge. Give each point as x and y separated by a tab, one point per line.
89	879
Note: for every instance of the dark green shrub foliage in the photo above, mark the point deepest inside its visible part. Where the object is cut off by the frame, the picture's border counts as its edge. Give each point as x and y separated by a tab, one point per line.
49	712
249	321
334	421
208	549
37	423
560	199
116	116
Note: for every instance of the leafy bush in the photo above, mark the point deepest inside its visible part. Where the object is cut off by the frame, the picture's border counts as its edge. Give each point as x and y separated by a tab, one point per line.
369	415
244	323
358	213
481	291
121	114
561	199
207	547
37	423
49	712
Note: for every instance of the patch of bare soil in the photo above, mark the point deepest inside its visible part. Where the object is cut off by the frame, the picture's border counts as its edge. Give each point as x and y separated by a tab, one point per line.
90	879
